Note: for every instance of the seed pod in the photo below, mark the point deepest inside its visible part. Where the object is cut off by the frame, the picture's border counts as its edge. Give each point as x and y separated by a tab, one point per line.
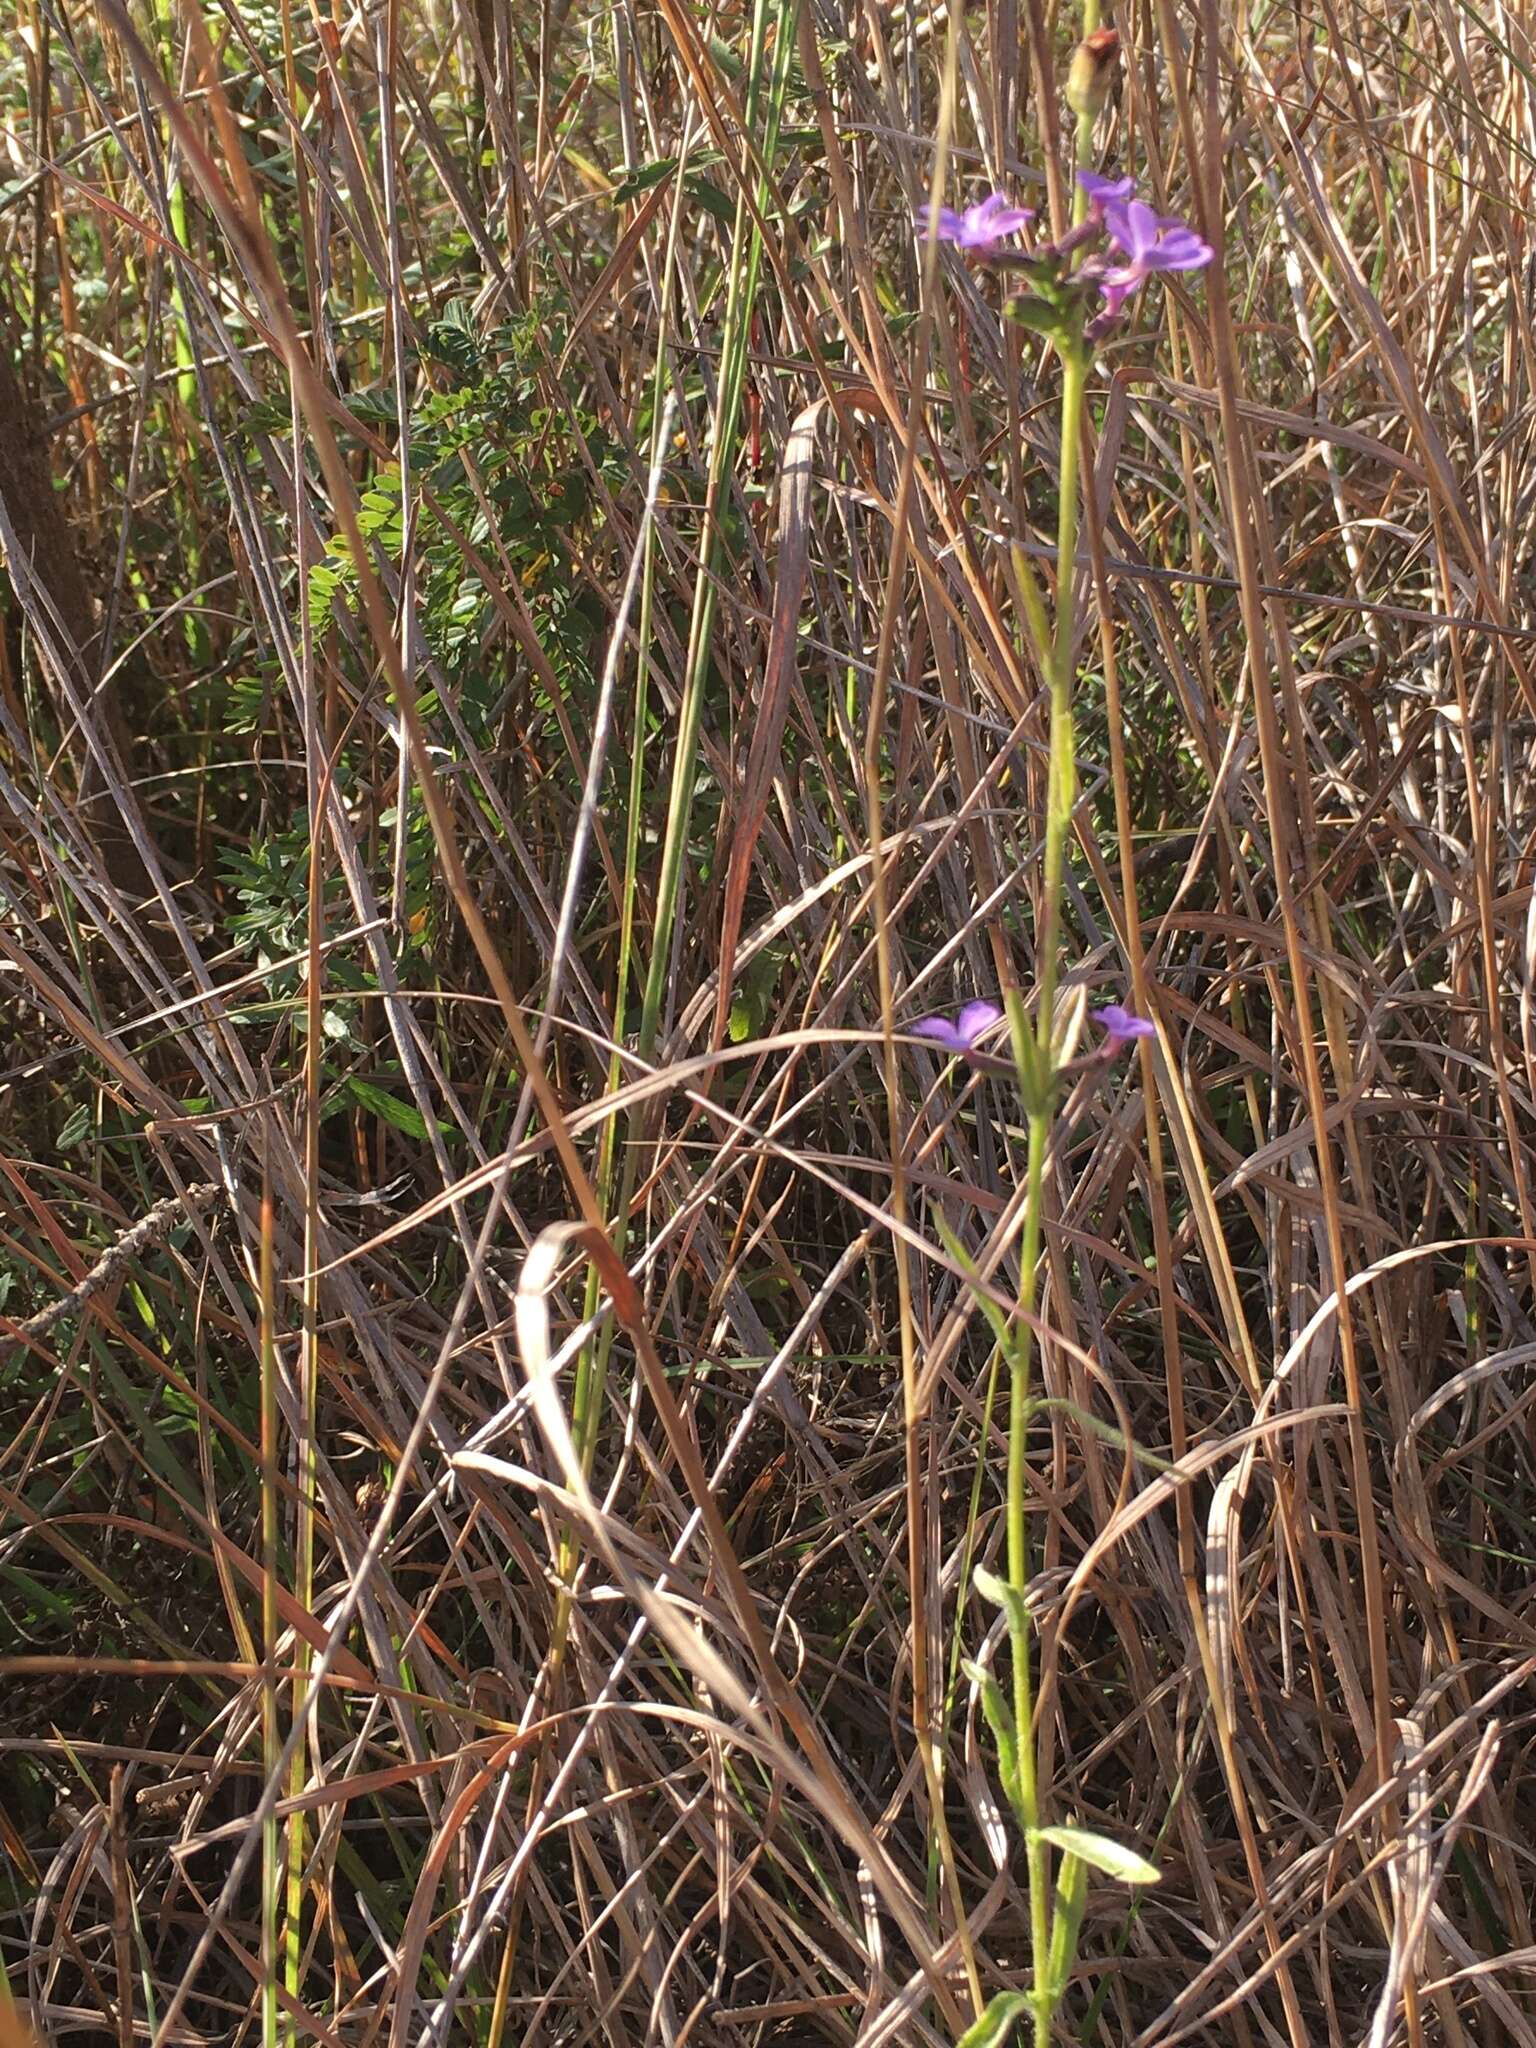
1094	64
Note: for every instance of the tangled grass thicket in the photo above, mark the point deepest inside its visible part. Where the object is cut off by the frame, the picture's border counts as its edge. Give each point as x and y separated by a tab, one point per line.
516	694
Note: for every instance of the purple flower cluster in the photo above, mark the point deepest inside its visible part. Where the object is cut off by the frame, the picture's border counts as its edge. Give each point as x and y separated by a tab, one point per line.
1148	244
961	1034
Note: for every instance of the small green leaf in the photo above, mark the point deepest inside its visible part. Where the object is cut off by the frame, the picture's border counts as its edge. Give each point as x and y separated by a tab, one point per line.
706	193
405	1116
641	179
1004	1733
989	1308
1037	315
1066	1920
453	342
1113	1858
996	2023
381	407
1009	1598
78	1126
1106	1432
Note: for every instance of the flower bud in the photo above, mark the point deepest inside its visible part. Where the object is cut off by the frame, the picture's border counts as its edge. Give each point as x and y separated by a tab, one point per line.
1094	64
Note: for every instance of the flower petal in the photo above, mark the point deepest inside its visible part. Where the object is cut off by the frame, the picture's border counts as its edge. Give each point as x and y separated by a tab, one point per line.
1134	227
941	1029
975	1018
951	227
1103	191
1180	248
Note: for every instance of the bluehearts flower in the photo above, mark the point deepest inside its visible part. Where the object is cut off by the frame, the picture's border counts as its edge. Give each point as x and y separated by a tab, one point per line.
961	1035
1073	300
982	228
1121	1025
1151	242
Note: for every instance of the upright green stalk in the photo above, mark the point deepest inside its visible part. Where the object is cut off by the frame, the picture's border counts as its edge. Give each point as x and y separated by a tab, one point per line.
1058	305
1036	1853
1040	1072
1087	119
592	1364
1037	1065
176	195
1061	786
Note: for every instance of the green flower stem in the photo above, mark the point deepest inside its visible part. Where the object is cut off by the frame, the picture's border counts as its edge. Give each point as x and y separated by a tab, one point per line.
1038	1069
1061	786
1035	1850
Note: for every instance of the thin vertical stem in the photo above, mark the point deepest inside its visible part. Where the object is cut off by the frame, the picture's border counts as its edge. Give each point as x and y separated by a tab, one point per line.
1061	794
741	294
1086	120
271	1741
1061	785
1036	1854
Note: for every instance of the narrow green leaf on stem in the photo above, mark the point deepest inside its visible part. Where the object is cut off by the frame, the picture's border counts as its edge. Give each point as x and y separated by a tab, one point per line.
1004	1733
1066	1922
995	2025
1103	1853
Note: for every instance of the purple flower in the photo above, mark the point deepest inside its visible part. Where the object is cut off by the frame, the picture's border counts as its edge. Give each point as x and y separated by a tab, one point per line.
1151	242
983	227
962	1034
1104	192
1122	1025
